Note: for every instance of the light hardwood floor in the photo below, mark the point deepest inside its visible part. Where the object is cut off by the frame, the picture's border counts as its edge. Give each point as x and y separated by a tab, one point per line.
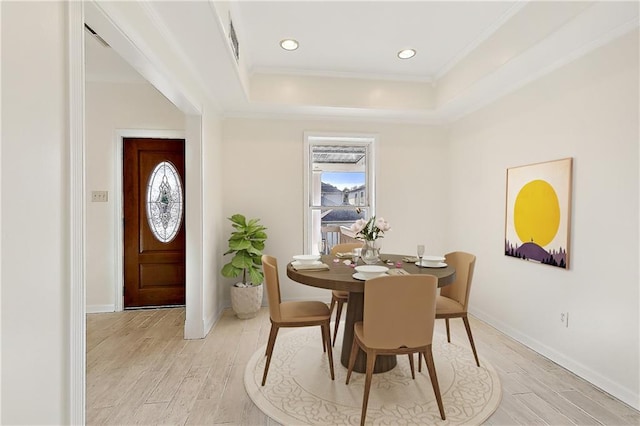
141	371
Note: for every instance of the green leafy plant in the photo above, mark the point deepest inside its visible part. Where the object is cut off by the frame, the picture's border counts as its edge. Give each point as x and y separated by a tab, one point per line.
246	243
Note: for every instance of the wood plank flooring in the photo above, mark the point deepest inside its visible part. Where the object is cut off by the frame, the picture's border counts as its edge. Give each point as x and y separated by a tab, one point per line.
141	371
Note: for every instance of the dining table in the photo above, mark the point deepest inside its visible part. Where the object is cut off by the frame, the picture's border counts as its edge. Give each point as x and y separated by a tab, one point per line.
340	276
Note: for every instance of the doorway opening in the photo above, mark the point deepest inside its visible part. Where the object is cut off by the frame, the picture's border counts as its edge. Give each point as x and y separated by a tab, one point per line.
154	229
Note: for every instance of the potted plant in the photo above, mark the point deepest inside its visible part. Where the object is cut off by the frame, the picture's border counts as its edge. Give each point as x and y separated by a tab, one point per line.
246	244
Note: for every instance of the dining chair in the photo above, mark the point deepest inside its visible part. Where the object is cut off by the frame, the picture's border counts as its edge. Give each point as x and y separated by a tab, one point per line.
453	301
339	297
398	317
292	314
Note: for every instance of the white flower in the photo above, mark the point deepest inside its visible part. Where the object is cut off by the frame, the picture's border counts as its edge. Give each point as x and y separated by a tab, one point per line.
370	230
383	225
358	225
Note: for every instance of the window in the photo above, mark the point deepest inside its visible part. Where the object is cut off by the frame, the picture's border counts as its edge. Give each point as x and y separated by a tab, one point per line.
339	186
164	202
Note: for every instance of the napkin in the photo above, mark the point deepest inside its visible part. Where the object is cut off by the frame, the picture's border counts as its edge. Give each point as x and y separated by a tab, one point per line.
341	255
397	272
311	267
409	259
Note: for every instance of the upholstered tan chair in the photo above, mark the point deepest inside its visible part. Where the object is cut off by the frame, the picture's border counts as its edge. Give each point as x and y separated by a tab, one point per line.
453	300
292	314
338	297
398	317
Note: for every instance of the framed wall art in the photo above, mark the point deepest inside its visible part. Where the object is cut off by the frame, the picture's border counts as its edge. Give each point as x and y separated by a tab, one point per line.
538	212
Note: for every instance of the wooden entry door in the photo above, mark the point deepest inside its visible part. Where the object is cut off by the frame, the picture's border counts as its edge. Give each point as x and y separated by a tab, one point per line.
154	231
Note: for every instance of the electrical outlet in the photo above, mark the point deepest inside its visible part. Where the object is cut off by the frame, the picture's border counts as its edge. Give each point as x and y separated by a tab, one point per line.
564	318
99	196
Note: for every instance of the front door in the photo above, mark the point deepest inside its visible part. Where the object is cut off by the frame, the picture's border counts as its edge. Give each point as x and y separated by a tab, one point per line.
154	234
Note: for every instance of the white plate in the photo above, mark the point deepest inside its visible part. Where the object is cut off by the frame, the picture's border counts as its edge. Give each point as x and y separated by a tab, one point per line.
315	262
439	265
360	277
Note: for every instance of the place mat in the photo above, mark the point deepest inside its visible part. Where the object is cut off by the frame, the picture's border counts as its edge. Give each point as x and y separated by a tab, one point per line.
311	267
299	390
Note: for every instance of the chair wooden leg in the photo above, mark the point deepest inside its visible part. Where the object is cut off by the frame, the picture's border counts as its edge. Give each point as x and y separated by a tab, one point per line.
272	341
413	372
324	340
446	321
274	330
473	346
331	306
338	314
428	358
419	362
327	343
352	358
371	361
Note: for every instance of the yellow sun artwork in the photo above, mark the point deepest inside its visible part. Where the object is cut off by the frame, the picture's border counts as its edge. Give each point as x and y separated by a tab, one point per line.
538	212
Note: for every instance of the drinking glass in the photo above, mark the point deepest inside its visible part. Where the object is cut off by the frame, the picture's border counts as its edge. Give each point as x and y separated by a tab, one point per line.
420	254
357	252
322	246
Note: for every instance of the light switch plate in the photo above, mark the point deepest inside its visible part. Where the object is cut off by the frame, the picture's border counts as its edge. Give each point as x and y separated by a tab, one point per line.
99	196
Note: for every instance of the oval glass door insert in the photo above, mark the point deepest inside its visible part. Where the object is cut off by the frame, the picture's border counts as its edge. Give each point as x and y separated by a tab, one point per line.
164	202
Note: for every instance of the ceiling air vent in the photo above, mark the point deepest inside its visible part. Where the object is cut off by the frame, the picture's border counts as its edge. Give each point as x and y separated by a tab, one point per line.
233	39
96	36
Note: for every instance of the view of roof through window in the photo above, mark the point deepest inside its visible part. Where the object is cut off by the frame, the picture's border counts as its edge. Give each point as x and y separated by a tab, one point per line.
340	154
342	170
343	198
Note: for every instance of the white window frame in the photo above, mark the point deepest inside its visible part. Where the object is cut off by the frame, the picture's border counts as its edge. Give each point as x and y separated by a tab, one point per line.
314	139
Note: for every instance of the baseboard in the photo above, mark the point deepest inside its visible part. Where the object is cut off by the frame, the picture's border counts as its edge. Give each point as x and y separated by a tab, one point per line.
98	309
618	391
212	320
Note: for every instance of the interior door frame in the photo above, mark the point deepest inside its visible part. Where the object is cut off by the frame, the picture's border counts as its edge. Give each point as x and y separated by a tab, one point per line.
155	73
118	204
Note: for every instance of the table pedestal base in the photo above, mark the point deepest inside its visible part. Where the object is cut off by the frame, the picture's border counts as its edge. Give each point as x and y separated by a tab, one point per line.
355	308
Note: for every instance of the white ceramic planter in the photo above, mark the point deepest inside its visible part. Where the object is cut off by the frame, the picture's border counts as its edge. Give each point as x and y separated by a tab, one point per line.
246	301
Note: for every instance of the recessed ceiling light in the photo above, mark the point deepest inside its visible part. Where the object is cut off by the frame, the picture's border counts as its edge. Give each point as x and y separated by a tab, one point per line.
289	44
406	53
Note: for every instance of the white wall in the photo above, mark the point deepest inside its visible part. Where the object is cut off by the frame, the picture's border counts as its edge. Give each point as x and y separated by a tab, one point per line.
587	110
263	178
111	107
35	219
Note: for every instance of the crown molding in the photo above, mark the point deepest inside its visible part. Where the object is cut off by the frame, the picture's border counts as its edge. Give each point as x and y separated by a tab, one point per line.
339	74
482	37
316	113
507	79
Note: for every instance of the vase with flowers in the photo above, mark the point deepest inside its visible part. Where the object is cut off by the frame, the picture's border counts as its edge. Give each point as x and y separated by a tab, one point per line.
370	231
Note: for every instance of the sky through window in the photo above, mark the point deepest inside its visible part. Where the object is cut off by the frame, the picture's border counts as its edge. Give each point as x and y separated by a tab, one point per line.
342	180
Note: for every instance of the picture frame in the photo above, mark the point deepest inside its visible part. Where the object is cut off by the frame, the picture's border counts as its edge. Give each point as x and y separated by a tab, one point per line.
538	212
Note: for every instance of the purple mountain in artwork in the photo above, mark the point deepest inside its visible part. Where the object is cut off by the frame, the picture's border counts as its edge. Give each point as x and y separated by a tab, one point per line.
532	251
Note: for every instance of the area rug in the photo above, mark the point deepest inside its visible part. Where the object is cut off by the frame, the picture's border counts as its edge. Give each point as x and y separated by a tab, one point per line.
299	389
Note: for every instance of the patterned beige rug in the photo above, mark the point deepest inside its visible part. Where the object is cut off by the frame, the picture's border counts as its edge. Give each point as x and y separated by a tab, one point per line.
299	390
